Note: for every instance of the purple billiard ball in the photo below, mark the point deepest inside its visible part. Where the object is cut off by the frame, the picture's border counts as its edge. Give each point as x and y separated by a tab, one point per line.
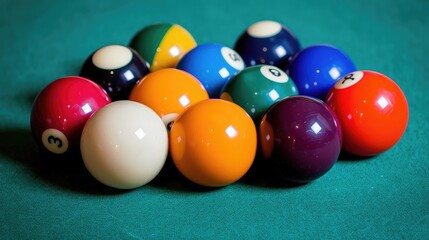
116	69
301	138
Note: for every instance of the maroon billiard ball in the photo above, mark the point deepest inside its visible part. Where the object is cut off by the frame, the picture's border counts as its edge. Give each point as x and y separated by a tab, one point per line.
301	138
116	68
61	110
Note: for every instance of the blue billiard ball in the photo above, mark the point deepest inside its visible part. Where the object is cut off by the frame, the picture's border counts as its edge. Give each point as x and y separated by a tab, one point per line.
213	65
267	42
116	69
317	68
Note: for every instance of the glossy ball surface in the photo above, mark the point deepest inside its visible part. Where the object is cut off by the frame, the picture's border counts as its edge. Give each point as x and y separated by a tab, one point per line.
267	42
124	145
115	68
317	68
163	44
372	109
213	65
301	138
213	143
256	88
168	92
61	110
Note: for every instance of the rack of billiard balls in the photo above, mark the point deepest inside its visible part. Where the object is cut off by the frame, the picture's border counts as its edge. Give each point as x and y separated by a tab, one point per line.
212	108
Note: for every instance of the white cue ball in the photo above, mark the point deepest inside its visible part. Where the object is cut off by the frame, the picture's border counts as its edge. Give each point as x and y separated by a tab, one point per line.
124	145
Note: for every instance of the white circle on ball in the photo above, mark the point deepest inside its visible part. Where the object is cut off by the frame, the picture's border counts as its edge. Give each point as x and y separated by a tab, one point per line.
124	145
349	80
232	58
169	118
264	29
274	74
55	141
112	57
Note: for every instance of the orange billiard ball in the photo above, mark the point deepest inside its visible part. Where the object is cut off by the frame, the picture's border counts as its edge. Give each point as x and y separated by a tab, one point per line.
168	92
213	142
372	110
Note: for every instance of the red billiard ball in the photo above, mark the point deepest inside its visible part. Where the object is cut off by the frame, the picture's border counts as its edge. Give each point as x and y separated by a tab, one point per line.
61	109
116	68
301	138
372	110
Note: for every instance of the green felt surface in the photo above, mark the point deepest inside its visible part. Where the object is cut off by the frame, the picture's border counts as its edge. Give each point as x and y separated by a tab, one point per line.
384	197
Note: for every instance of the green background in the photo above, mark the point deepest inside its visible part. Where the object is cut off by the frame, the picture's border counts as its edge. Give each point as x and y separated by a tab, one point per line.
384	197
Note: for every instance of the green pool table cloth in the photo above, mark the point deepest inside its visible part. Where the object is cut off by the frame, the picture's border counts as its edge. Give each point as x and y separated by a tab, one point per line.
382	197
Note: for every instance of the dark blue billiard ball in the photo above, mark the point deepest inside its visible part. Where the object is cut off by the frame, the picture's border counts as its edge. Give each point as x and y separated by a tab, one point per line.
116	69
267	42
317	68
213	65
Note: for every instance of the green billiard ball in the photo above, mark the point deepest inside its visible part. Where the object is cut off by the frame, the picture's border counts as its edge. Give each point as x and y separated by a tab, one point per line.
258	87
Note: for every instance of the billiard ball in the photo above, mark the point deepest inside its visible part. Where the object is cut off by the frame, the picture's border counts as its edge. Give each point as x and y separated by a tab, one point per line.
162	44
267	42
168	92
213	142
213	65
317	68
124	145
372	109
60	111
116	68
256	88
300	138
